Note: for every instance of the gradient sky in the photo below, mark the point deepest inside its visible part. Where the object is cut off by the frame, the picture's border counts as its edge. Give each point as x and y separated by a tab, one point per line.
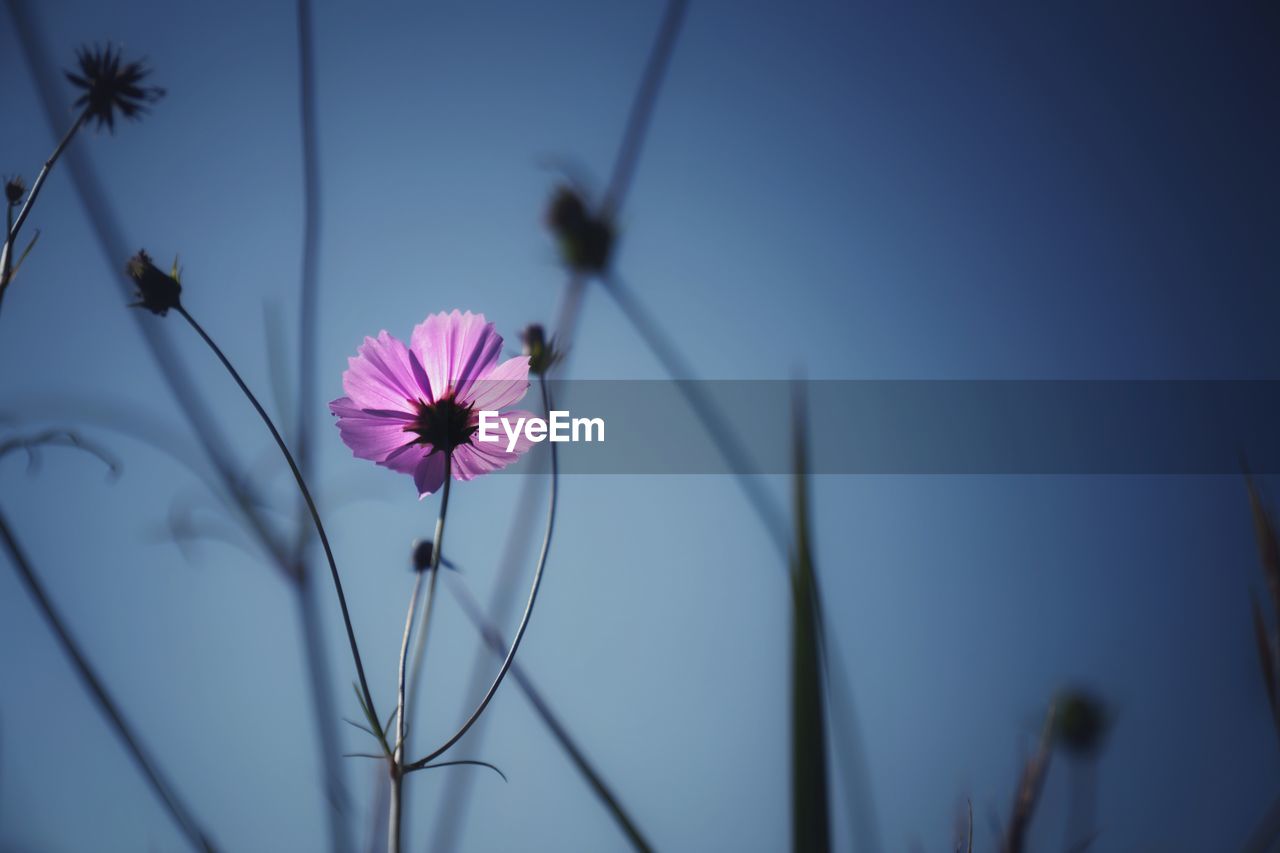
1077	190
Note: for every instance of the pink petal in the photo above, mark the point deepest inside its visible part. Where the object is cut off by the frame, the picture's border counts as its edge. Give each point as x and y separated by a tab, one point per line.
371	435
455	349
484	457
429	476
384	376
406	459
501	387
470	460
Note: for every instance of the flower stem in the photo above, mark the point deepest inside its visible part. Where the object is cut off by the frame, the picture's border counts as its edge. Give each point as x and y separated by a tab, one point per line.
311	506
395	818
98	691
15	227
528	608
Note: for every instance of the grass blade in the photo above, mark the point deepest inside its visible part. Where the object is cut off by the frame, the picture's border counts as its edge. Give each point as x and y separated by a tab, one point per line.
810	797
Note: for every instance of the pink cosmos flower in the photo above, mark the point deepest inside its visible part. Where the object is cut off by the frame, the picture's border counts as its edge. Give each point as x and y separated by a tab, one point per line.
408	408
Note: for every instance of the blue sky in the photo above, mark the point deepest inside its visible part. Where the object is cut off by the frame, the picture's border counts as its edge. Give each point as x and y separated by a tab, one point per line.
920	191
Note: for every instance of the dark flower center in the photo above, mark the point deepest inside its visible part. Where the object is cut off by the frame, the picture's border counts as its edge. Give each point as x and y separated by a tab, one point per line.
444	424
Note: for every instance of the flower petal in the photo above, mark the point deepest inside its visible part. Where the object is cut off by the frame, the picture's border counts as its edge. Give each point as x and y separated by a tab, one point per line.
383	375
455	349
429	476
373	435
502	386
483	457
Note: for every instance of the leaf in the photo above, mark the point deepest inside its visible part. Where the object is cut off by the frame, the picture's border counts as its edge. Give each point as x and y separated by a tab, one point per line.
810	796
370	719
465	762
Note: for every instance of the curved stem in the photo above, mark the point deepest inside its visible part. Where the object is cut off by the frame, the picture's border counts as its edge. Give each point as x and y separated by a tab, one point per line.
306	496
164	790
395	818
528	608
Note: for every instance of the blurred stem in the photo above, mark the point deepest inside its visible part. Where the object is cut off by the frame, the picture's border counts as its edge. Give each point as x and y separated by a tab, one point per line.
15	227
177	809
528	608
326	718
397	759
642	109
311	506
719	427
493	639
642	106
1030	785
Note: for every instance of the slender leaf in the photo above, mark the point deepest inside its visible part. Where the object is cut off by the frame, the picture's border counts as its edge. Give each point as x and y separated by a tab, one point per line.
810	796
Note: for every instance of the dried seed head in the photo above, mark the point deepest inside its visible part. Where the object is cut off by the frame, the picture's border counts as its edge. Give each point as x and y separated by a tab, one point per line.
109	86
157	292
1081	722
15	189
586	240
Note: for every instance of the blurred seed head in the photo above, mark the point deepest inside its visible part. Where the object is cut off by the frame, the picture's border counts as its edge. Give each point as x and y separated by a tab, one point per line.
15	189
109	86
421	555
1081	722
157	292
542	352
586	240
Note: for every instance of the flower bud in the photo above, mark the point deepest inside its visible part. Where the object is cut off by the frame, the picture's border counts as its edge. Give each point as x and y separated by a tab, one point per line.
157	292
421	555
14	190
542	353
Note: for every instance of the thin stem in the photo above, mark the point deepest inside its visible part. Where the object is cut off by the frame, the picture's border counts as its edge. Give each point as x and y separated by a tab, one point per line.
397	760
11	236
397	778
306	496
310	245
528	608
493	639
7	259
177	809
1027	797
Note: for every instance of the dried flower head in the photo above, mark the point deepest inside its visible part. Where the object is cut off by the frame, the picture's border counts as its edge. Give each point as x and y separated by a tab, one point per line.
14	190
586	240
542	352
1080	722
109	86
157	292
411	408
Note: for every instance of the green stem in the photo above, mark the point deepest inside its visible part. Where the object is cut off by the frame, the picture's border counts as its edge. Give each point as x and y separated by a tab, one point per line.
528	609
311	506
396	816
